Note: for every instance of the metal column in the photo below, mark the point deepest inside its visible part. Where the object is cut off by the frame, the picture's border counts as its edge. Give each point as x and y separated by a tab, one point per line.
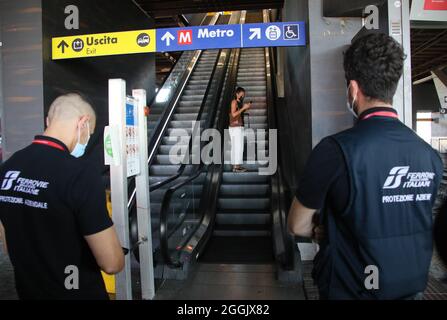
143	204
118	181
399	29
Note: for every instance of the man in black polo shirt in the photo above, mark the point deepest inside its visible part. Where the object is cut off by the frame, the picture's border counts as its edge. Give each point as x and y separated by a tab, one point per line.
375	186
53	210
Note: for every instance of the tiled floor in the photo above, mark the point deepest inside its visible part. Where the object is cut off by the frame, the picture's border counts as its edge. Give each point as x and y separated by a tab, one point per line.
230	282
7	285
255	282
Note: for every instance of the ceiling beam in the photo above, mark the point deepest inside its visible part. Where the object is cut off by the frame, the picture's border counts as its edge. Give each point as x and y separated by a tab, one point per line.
158	8
343	8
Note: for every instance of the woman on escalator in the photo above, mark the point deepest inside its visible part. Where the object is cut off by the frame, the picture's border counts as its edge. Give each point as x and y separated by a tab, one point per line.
237	129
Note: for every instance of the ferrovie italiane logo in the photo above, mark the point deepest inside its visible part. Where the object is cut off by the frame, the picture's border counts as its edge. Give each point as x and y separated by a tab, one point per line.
401	176
9	179
394	179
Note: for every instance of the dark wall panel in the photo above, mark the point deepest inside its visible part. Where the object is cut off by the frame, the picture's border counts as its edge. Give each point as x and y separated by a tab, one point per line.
90	75
21	70
295	121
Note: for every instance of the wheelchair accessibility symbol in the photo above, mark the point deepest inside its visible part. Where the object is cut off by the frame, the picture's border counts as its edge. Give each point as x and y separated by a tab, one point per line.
291	32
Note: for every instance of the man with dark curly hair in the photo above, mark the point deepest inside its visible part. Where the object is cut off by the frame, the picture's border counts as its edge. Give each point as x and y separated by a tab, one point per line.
374	185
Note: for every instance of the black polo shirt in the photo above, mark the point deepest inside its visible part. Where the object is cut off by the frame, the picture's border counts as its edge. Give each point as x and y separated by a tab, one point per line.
49	201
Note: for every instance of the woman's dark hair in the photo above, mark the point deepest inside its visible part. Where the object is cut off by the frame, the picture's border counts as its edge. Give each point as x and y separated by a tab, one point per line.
376	62
238	90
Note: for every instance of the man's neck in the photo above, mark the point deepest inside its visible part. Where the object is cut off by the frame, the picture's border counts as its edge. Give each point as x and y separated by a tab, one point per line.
56	134
374	104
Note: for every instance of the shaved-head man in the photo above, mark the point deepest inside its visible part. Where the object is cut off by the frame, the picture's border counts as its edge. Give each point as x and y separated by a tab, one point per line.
71	119
56	227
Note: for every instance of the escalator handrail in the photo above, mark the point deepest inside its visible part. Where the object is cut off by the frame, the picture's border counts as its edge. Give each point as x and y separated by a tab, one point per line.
182	168
169	112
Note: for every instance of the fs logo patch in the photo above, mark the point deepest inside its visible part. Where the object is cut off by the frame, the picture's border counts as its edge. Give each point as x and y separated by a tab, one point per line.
9	179
394	179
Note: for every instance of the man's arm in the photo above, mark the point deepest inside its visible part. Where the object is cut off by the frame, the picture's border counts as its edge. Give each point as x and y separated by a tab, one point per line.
300	220
89	202
3	238
324	171
107	250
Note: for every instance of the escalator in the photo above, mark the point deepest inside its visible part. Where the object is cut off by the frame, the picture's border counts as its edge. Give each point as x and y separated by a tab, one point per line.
185	103
242	216
244	209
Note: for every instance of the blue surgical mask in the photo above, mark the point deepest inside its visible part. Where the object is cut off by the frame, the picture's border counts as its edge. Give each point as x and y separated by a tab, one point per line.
79	149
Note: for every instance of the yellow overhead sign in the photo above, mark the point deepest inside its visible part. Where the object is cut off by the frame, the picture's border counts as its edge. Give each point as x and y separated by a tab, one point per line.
225	13
104	44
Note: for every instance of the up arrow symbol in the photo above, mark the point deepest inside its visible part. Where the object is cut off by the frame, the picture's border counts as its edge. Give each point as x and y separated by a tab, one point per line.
62	46
168	37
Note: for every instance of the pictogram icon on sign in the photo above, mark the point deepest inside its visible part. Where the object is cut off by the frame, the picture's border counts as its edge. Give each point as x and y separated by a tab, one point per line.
185	37
255	33
273	33
77	45
291	32
143	40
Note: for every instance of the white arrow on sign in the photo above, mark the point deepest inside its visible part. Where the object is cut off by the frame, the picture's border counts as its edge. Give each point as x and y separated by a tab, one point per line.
168	37
255	33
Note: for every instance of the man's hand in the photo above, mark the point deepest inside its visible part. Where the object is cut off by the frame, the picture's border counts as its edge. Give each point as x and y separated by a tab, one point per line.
319	234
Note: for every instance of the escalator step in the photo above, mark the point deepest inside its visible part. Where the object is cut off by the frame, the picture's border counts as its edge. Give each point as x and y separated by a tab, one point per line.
228	250
244	203
243	217
245	230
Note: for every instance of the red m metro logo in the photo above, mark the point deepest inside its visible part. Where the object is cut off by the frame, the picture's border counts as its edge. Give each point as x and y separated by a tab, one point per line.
184	37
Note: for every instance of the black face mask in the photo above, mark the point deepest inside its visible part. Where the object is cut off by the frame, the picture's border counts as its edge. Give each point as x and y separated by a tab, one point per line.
241	100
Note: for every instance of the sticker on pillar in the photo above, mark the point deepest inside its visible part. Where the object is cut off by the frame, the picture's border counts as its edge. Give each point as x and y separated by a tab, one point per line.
132	147
104	44
112	154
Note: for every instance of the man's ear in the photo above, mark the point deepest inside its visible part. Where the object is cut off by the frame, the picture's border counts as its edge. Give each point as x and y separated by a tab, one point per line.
47	122
355	88
83	121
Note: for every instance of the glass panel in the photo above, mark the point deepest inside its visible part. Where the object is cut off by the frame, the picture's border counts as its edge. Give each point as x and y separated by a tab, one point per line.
183	215
166	93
